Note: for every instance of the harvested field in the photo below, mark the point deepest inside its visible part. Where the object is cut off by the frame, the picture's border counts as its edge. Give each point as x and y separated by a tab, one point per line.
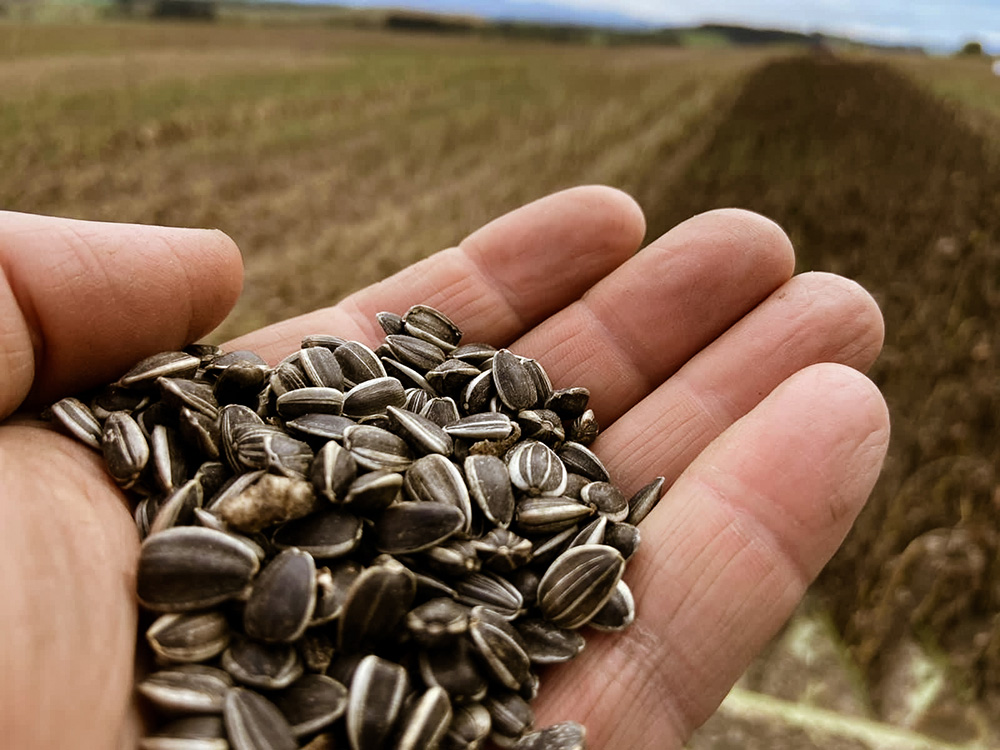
874	178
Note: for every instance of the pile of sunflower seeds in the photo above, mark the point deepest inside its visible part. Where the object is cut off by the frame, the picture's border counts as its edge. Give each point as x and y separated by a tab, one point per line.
373	549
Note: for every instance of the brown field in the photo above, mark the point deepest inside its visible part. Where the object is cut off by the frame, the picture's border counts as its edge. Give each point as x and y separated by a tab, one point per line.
335	157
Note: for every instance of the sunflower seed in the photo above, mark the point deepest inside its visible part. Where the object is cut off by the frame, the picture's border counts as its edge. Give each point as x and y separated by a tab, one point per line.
618	612
584	429
322	426
501	550
624	537
568	403
188	733
115	398
408	376
358	363
415	352
438	622
329	533
240	383
578	583
375	448
325	340
376	699
581	460
433	326
482	426
78	420
490	590
510	716
164	364
286	377
425	720
201	432
178	508
333	469
231	417
282	599
311	400
469	728
254	723
543	386
500	647
373	396
186	568
534	468
262	665
451	376
179	393
332	586
489	485
607	499
316	648
592	533
321	367
441	410
373	492
191	688
434	478
410	527
453	558
376	603
643	501
548	548
311	703
541	424
567	735
390	322
423	434
543	515
453	668
125	449
514	384
188	637
477	392
547	643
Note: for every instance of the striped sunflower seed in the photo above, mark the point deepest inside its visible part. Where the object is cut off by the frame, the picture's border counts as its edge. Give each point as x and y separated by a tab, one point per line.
178	393
126	451
436	479
376	603
282	599
578	583
164	364
547	643
326	534
501	647
325	340
254	723
433	326
438	622
391	322
321	367
643	501
187	689
489	485
311	400
453	668
422	433
514	384
373	492
482	426
543	515
535	469
415	352
501	550
568	403
332	585
441	410
188	637
358	363
409	527
311	703
267	666
451	376
607	499
320	426
618	612
624	537
407	375
187	568
178	508
375	702
373	396
333	470
78	420
469	728
581	460
567	735
188	733
490	590
425	720
375	448
584	429
510	717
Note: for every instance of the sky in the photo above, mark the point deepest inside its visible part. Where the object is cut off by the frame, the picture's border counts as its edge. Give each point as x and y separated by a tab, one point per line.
941	25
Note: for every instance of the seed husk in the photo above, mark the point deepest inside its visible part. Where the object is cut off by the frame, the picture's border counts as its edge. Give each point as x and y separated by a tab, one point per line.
188	567
332	585
187	637
358	363
425	721
489	485
643	501
391	323
320	426
624	537
374	396
438	622
188	733
535	469
581	460
454	669
501	550
422	433
282	599
262	665
327	534
568	403
376	699
196	396
321	367
436	479
333	469
489	589
190	688
510	715
470	726
373	492
514	385
441	410
375	448
500	646
376	603
584	429
547	643
254	723
312	703
415	352
433	326
618	612
481	426
178	508
125	448
409	527
543	515
566	735
578	583
609	501
164	364
312	400
78	420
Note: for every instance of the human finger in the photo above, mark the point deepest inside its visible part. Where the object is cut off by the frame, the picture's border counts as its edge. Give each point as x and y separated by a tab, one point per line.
813	318
80	301
726	556
498	282
640	324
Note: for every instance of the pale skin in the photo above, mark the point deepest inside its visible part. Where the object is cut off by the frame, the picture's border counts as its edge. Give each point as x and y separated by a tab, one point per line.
708	363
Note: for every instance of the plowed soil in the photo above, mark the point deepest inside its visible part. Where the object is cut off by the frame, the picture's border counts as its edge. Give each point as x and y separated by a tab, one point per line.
875	179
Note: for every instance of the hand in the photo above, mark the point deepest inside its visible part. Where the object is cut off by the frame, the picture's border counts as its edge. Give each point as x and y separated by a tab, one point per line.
707	364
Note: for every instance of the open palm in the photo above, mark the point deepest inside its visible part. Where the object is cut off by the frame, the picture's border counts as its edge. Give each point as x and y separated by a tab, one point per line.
708	363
